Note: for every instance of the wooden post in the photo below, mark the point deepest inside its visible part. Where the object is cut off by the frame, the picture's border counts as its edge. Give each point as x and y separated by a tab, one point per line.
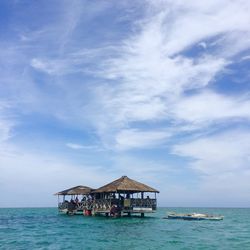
142	215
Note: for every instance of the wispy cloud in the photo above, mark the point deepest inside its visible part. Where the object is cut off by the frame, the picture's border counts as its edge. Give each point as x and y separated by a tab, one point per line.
145	79
203	45
26	173
6	122
208	107
77	146
132	138
245	57
153	75
149	77
218	154
222	162
74	146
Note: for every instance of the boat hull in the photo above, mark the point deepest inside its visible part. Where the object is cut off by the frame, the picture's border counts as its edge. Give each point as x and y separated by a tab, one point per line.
194	217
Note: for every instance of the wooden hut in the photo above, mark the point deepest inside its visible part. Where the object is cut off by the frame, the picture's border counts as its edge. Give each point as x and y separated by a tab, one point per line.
124	196
78	200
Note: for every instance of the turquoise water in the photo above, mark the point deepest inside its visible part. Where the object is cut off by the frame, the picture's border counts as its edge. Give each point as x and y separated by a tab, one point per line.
43	228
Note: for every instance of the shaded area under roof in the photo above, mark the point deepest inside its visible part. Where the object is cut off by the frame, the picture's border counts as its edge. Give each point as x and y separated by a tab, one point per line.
76	190
125	184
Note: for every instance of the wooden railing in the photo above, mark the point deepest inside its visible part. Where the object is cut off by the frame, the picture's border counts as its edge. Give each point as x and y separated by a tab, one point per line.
106	204
143	203
127	204
76	206
67	205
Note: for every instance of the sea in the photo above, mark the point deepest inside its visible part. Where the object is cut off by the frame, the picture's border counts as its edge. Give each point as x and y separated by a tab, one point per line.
44	228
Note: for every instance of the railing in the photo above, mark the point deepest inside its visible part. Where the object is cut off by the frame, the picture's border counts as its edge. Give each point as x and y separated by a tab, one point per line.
143	203
85	205
76	206
126	204
67	205
106	204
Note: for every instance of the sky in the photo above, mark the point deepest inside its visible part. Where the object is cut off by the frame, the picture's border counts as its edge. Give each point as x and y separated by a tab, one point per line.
158	90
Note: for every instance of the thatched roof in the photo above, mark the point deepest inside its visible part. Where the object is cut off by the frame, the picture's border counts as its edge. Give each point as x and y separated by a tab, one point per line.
76	190
125	184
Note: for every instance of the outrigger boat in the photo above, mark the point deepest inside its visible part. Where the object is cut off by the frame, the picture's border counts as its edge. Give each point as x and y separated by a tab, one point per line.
193	216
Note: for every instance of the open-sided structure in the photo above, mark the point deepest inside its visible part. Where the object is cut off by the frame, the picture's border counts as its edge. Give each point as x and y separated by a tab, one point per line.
74	200
124	196
120	197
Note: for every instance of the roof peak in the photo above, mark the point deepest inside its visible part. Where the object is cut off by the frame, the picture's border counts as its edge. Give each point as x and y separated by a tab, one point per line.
125	184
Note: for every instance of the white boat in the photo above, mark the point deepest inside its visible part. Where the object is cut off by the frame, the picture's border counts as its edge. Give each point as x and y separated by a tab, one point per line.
193	216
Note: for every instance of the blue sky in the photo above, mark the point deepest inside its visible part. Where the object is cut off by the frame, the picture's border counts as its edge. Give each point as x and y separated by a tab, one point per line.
155	90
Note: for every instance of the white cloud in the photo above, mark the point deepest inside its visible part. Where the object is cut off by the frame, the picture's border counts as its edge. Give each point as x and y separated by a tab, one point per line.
58	66
186	23
142	169
202	45
245	57
222	161
152	73
218	154
208	107
144	76
32	178
6	123
135	93
132	138
74	145
5	130
45	66
77	146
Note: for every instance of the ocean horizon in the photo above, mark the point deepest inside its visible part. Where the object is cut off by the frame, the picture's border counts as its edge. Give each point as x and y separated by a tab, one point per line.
44	228
158	207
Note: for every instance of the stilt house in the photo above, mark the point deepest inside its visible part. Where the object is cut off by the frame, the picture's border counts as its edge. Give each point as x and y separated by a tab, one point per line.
127	195
123	196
